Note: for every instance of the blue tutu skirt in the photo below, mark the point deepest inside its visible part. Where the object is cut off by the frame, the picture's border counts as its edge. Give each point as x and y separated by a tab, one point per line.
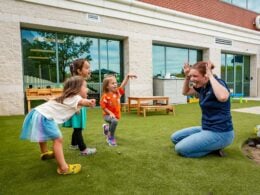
37	128
77	120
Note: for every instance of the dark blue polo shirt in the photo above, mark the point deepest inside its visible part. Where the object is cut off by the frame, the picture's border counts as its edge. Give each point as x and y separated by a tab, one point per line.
216	115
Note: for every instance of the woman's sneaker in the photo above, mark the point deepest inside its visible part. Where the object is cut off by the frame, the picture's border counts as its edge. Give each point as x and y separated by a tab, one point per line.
111	141
105	129
88	151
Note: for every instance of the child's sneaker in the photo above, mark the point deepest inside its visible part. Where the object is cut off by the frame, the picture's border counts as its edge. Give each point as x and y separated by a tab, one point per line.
88	151
105	129
72	169
111	141
74	147
47	155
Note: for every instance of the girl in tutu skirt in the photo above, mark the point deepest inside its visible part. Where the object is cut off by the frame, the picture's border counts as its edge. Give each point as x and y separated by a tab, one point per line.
41	124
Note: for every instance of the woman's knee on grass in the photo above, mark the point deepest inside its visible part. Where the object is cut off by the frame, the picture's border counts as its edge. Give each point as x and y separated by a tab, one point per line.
174	139
182	150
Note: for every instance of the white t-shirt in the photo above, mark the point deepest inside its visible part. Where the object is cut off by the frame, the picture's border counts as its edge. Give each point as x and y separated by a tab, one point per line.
58	112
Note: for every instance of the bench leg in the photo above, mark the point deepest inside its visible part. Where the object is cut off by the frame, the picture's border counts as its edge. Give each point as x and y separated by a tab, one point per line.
123	108
29	105
173	110
144	111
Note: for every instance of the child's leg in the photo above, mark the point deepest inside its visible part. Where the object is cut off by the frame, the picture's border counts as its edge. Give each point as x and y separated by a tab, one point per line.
63	167
74	137
112	124
80	139
59	156
43	147
45	153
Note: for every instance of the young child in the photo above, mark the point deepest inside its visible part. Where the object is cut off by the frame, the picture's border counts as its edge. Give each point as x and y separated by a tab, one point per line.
40	125
80	67
110	103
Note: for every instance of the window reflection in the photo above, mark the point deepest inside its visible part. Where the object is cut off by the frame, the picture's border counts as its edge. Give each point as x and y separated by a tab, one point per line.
176	57
159	61
223	67
252	5
170	60
70	48
47	55
39	55
240	3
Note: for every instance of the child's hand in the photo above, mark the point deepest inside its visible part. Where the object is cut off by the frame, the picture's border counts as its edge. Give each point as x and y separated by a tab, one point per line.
131	76
112	115
92	102
124	82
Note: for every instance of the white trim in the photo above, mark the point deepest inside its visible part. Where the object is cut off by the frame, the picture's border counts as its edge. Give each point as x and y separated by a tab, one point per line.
149	14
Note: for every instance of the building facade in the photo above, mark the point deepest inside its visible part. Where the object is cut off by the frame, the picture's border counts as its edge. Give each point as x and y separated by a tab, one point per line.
40	38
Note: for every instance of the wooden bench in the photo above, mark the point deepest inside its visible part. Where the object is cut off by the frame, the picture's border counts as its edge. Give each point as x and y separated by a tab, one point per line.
41	94
124	106
167	108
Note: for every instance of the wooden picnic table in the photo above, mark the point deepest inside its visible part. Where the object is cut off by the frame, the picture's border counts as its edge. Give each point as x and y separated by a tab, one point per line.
139	99
41	94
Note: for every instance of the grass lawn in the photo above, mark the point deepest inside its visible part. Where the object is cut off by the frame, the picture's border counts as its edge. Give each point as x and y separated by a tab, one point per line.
143	163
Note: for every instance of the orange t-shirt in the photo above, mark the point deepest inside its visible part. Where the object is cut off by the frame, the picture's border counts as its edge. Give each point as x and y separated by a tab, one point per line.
111	101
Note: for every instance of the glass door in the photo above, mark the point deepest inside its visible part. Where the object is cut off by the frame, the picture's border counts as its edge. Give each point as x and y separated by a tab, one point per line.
230	72
235	70
238	64
247	77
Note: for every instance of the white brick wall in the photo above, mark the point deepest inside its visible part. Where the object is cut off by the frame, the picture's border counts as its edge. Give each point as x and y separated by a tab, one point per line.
140	62
11	98
137	36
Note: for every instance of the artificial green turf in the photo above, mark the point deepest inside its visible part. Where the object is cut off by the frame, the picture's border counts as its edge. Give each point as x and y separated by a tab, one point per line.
143	163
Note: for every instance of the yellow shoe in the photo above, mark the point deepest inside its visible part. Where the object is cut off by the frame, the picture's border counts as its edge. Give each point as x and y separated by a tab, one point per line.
47	155
72	169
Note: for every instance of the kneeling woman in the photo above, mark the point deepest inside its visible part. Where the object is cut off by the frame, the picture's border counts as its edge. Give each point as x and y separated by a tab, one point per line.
216	131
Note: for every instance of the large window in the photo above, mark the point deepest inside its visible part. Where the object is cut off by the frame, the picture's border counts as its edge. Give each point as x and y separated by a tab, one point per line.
252	5
47	55
170	60
235	70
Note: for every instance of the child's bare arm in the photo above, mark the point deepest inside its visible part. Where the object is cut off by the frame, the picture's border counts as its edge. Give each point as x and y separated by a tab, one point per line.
124	82
87	102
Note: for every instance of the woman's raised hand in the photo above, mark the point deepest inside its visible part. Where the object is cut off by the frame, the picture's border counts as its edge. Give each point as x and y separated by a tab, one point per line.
186	69
209	69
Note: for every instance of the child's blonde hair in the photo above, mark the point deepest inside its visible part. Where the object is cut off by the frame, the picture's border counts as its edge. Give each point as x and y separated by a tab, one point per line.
106	81
72	87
